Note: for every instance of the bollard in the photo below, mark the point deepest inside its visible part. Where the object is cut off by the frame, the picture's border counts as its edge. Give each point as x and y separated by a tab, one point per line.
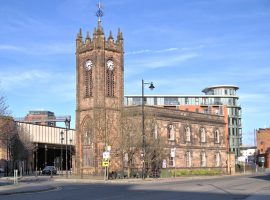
15	177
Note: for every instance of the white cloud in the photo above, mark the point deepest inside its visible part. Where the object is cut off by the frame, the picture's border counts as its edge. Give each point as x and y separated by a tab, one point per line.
162	61
138	52
253	97
151	51
41	49
17	79
9	48
166	50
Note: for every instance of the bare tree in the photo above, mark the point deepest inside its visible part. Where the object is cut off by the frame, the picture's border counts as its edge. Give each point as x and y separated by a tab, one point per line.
155	143
13	139
3	107
132	140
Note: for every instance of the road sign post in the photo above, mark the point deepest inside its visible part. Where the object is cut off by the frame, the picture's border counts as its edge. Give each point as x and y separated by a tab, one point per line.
106	163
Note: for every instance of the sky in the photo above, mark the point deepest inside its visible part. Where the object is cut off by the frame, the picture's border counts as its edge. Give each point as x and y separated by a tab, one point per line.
182	46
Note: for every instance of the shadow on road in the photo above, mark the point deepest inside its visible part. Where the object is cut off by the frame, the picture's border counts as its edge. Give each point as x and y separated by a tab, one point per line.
265	177
184	190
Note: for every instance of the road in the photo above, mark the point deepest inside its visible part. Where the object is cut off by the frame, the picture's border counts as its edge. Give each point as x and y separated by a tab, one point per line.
221	188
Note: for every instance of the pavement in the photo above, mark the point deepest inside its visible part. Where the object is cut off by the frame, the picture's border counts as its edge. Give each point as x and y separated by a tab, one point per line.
27	184
32	184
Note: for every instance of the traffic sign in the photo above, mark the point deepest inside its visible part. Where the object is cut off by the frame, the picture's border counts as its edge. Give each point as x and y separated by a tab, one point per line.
106	155
105	163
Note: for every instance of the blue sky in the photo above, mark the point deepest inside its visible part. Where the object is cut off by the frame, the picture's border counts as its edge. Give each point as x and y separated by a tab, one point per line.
182	46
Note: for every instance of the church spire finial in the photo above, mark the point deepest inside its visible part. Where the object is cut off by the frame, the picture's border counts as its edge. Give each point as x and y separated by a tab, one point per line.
99	12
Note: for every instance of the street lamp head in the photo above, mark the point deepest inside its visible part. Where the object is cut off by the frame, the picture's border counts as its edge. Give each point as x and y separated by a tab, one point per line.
67	123
151	87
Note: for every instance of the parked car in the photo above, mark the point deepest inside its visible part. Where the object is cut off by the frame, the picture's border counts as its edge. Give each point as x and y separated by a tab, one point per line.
49	170
2	170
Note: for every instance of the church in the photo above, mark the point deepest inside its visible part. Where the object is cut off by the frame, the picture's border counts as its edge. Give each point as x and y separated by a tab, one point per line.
138	138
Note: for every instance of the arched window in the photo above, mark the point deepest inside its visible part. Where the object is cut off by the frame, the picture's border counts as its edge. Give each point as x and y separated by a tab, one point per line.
87	138
88	81
217	136
88	148
217	159
171	132
188	159
203	135
203	159
110	78
155	131
187	134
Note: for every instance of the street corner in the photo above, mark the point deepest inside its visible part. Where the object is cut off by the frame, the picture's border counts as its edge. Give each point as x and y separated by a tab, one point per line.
22	188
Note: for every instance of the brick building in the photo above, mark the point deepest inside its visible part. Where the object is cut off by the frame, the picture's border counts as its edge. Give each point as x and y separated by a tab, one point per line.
41	117
190	140
263	144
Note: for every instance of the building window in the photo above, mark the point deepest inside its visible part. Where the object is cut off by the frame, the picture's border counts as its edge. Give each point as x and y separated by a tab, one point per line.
110	78
171	132
203	159
186	101
187	134
196	101
217	136
88	81
203	135
217	159
87	138
136	101
188	159
155	131
171	101
172	161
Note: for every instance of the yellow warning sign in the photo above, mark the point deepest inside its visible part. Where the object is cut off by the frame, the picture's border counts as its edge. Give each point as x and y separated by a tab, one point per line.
105	163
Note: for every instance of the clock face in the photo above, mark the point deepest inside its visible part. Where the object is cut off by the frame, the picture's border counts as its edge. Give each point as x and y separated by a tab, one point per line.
88	65
110	65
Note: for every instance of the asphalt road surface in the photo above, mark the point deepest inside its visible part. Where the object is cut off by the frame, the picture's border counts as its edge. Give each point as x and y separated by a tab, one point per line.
223	188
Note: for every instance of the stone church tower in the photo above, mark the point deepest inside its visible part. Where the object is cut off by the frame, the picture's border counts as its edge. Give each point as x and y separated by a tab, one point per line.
99	99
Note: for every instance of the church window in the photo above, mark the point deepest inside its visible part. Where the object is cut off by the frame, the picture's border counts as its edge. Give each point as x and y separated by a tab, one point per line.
187	134
203	159
88	147
155	131
87	138
172	161
217	159
110	78
188	159
88	78
203	135
217	136
171	132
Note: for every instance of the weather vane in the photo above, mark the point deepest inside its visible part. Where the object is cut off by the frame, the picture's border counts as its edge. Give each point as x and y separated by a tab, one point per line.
99	12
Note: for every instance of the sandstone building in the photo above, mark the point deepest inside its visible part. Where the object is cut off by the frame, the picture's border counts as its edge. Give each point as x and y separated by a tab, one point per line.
173	138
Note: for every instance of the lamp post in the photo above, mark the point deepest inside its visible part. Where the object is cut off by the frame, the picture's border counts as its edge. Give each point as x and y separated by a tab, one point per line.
54	156
7	165
67	123
151	87
36	158
61	159
70	155
46	148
